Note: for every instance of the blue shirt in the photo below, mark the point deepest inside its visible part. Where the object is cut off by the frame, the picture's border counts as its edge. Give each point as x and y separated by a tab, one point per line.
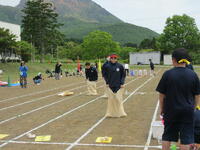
23	71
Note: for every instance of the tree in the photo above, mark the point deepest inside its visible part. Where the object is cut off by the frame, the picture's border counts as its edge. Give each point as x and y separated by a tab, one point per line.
24	49
129	44
40	26
180	31
99	44
148	44
124	52
7	42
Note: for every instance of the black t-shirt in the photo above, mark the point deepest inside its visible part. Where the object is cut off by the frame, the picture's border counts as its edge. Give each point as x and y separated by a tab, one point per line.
180	85
190	66
114	74
91	74
197	122
57	68
37	77
152	65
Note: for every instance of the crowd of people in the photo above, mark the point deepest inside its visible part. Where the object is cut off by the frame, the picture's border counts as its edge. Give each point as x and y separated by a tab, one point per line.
179	95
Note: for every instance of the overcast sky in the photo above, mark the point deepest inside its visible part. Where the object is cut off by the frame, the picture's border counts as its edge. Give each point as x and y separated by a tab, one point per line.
147	13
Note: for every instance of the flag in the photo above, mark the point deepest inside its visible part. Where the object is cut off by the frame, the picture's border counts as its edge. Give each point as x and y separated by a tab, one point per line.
99	66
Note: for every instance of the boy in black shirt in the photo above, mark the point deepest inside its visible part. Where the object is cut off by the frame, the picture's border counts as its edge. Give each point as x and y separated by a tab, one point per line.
58	70
151	67
179	91
91	77
114	75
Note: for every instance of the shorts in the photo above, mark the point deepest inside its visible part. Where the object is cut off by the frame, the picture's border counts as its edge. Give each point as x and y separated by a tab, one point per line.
173	131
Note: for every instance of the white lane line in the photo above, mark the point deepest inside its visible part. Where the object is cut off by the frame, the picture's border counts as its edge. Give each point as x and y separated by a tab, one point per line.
54	119
45	106
150	130
37	99
13	98
34	110
102	119
83	144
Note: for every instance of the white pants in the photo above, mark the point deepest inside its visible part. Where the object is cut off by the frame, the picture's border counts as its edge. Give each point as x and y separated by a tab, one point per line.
115	106
91	86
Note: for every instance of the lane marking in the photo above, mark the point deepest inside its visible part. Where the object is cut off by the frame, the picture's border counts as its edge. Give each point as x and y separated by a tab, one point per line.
56	118
103	118
45	106
150	130
83	144
30	94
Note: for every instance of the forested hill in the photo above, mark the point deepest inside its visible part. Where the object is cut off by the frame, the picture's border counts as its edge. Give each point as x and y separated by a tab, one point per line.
83	16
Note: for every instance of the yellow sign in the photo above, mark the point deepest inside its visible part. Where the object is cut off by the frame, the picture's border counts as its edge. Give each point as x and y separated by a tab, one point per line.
2	136
104	140
43	138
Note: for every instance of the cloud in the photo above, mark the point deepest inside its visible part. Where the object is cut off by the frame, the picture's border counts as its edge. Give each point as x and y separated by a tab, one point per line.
151	13
9	2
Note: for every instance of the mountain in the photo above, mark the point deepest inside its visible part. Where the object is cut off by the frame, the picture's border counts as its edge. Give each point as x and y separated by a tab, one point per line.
10	14
83	16
85	10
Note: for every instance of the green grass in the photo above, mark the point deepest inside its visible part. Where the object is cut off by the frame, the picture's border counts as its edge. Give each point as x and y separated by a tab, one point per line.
12	69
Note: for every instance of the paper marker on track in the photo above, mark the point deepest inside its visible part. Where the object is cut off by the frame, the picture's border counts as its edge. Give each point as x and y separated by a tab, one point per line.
2	136
105	139
43	138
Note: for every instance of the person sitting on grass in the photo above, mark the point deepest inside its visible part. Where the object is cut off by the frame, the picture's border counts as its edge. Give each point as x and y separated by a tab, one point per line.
38	79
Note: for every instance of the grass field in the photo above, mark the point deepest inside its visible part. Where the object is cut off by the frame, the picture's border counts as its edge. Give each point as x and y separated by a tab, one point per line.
12	69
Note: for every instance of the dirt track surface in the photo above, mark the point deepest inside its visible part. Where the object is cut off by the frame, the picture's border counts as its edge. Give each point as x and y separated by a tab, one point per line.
66	119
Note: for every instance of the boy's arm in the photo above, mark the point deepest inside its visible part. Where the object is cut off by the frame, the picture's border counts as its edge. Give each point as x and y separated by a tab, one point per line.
161	102
197	100
123	76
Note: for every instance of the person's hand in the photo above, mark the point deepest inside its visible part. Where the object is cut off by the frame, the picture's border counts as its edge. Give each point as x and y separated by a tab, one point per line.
161	113
122	86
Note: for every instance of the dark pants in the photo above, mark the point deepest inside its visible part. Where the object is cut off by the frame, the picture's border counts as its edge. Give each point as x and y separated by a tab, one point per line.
23	82
127	72
175	130
114	89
